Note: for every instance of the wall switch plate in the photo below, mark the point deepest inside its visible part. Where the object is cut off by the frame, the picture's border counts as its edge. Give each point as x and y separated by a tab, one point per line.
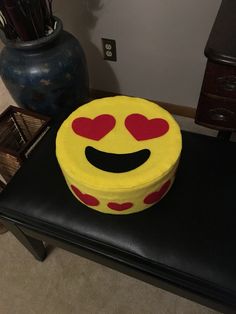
109	49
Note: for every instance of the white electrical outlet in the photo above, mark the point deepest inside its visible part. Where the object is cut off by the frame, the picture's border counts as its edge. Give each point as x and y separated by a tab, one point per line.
109	49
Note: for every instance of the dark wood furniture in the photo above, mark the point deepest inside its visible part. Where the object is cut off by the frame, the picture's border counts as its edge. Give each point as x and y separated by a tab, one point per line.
217	102
20	131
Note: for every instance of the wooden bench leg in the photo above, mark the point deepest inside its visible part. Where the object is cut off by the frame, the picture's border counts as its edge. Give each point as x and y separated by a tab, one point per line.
3	229
36	247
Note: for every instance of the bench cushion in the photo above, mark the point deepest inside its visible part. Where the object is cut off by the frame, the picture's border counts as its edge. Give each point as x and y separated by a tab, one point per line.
190	234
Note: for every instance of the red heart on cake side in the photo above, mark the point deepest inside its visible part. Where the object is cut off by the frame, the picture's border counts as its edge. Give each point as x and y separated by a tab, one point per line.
119	206
144	129
85	198
94	129
157	195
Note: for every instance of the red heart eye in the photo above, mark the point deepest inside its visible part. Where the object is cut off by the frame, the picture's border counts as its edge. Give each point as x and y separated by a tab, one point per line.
143	129
94	129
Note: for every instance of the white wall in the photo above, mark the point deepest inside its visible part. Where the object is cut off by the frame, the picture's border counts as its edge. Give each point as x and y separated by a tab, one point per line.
160	44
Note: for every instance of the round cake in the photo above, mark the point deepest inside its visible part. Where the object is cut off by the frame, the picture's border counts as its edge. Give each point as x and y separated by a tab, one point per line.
119	155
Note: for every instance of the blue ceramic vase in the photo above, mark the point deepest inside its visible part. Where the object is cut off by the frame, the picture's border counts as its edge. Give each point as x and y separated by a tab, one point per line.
48	75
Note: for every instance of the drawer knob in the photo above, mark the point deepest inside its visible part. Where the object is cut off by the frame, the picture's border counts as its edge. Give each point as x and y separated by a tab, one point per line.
220	114
227	83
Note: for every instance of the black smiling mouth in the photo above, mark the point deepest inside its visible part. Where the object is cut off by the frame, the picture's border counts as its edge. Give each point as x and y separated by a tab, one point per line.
116	162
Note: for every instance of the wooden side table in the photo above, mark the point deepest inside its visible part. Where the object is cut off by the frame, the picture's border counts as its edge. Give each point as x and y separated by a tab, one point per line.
217	103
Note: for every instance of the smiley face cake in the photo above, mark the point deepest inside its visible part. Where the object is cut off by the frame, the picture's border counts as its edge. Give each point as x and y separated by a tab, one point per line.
119	155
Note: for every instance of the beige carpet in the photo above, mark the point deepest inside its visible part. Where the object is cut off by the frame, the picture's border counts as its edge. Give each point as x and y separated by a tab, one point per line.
68	284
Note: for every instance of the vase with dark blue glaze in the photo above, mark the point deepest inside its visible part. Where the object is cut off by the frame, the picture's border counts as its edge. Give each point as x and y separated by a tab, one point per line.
48	75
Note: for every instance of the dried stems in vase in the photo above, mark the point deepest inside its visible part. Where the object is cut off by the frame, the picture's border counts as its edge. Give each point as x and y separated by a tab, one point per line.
26	19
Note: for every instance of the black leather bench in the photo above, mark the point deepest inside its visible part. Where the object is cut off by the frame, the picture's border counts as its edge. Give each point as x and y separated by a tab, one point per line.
185	244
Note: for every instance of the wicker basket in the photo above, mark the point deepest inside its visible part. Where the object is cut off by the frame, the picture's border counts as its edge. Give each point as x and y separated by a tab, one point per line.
20	131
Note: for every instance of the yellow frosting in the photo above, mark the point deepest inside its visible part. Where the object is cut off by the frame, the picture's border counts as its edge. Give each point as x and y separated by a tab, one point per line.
130	186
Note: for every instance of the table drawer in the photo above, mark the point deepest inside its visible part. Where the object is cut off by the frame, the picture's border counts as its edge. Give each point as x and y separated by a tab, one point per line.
216	112
220	80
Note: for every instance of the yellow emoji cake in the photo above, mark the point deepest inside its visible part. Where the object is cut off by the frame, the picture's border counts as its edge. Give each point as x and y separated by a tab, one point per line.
119	155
